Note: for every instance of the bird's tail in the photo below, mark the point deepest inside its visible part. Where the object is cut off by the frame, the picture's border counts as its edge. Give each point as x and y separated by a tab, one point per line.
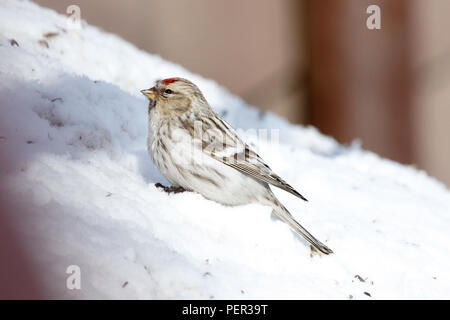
281	212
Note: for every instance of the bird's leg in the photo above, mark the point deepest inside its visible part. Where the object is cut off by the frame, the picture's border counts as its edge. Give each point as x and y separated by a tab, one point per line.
171	189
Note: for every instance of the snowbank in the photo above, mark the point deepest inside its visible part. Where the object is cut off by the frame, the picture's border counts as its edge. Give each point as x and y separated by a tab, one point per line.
73	153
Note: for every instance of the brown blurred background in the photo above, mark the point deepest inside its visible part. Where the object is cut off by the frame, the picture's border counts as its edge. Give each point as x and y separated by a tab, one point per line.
313	62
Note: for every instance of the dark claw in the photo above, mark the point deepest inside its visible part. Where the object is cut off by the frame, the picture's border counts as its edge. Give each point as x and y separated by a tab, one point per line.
171	189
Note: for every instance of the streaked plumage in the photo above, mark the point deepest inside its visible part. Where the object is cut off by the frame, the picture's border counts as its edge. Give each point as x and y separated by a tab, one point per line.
197	150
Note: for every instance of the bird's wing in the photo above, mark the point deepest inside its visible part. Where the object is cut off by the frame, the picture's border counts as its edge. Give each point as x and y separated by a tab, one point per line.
221	142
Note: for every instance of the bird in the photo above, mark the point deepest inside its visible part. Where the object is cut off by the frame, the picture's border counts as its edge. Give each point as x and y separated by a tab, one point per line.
196	150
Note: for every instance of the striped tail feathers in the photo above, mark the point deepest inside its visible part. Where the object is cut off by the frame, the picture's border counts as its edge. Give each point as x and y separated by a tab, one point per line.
282	213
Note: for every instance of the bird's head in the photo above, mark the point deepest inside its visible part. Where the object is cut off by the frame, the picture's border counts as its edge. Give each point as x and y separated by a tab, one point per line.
174	96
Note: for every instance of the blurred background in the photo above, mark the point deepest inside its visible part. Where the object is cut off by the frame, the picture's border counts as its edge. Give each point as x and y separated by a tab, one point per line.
312	62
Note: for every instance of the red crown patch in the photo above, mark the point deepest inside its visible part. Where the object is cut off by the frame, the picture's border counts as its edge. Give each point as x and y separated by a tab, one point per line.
169	80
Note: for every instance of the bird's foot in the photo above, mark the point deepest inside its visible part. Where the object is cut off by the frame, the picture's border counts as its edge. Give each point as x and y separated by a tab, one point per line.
171	189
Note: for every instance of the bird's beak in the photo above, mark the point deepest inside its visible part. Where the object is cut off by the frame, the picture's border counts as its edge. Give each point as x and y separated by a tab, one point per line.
150	93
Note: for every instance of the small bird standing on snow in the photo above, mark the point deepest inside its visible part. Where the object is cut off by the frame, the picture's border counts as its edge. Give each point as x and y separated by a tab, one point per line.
198	151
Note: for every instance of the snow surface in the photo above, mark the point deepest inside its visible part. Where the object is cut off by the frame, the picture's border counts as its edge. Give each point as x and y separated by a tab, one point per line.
73	126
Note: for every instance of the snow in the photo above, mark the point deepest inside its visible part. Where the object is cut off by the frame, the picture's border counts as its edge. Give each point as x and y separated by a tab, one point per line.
73	128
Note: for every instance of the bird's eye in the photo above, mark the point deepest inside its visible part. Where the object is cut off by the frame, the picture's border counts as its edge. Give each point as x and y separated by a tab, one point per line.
168	91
